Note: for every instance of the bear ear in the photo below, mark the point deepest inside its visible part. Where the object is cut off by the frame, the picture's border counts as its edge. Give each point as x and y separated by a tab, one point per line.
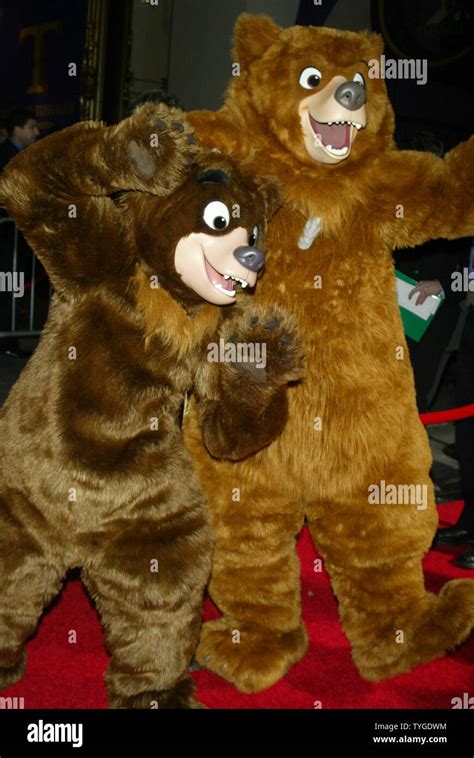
270	188
253	35
376	44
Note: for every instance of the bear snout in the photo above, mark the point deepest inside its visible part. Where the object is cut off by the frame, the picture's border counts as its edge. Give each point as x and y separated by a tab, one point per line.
250	258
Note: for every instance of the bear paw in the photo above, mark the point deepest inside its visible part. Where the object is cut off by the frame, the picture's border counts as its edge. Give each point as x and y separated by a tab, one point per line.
12	674
446	622
267	350
155	145
179	696
254	663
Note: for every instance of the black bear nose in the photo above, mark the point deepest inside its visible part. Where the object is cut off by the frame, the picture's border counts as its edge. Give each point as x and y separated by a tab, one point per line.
351	95
250	257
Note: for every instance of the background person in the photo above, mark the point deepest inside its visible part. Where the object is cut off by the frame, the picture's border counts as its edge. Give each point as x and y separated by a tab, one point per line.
22	131
462	532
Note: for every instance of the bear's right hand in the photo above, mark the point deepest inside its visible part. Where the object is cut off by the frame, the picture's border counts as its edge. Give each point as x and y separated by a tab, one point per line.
150	150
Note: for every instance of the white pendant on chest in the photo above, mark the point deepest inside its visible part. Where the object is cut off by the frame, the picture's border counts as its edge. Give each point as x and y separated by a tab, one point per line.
310	232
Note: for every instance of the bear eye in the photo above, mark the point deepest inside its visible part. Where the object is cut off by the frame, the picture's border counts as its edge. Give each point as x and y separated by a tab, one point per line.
359	79
254	236
310	77
216	215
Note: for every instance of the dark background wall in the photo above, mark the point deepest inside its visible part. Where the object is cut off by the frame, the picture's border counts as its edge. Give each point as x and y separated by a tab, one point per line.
126	48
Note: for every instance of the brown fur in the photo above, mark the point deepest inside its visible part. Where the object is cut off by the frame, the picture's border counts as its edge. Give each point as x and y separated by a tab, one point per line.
86	478
354	383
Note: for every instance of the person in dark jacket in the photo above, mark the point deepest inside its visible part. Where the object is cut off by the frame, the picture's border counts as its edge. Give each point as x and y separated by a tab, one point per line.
432	265
462	533
22	131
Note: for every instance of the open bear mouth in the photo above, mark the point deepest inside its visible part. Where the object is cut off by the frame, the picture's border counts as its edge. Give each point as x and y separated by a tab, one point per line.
225	283
333	136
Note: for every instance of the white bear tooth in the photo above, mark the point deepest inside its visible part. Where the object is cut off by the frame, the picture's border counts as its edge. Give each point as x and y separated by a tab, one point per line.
245	284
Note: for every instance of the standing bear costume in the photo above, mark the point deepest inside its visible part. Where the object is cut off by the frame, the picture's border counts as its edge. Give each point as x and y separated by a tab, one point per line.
305	109
134	226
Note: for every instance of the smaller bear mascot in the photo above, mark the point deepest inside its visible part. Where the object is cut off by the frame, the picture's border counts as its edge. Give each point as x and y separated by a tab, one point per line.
144	237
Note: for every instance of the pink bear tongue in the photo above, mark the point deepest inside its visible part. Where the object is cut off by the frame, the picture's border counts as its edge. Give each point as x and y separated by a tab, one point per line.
216	278
336	135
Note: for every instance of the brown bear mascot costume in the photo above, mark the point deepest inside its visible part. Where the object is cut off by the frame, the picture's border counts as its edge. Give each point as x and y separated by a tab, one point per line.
305	110
135	226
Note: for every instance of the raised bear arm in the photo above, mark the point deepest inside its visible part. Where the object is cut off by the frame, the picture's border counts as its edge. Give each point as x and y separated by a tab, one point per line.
419	197
58	190
221	130
242	391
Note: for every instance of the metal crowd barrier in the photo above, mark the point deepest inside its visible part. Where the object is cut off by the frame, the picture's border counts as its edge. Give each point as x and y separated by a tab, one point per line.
14	331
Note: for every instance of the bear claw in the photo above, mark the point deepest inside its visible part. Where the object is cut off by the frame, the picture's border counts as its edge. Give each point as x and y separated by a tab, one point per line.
271	325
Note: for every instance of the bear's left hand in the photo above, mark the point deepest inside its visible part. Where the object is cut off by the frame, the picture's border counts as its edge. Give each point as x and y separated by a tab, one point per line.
264	351
243	403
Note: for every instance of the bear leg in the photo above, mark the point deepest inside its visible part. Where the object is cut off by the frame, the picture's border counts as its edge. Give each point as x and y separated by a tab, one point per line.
148	580
256	585
29	582
374	554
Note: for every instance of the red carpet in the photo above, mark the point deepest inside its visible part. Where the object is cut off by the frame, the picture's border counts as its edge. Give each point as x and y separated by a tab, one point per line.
64	675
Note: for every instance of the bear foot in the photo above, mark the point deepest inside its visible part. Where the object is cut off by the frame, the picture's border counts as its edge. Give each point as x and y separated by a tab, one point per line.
444	624
255	663
12	674
179	696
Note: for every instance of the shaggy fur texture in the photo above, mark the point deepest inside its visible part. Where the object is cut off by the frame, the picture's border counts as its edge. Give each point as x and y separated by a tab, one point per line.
94	472
353	421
